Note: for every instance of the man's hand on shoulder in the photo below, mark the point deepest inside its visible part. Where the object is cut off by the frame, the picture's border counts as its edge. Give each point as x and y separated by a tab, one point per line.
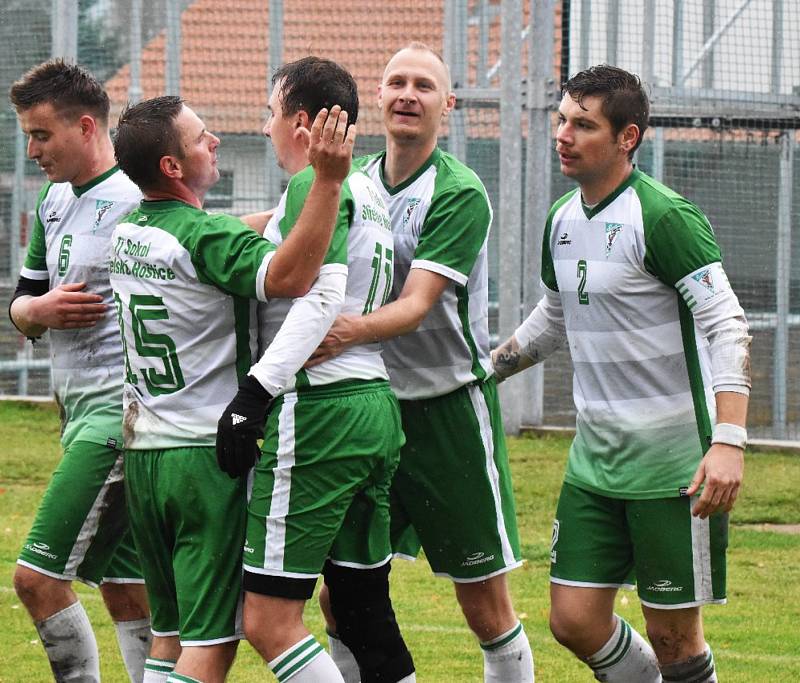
330	148
241	426
66	307
722	470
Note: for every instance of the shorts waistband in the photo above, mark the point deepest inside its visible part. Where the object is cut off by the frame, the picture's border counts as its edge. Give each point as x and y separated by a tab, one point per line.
343	388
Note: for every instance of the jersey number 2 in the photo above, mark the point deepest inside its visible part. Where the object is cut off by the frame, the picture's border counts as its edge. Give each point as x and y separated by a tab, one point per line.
583	296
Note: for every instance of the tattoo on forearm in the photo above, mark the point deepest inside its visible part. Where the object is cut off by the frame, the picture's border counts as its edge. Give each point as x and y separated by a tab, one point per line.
506	360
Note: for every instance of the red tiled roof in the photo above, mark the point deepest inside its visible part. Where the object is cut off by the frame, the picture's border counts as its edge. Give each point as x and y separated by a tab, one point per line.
225	48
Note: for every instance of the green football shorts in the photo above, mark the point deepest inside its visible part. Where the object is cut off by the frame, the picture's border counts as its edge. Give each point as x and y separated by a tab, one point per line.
452	489
321	488
81	519
187	518
675	559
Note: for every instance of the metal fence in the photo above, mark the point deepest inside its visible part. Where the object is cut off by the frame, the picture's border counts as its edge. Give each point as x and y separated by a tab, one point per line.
724	77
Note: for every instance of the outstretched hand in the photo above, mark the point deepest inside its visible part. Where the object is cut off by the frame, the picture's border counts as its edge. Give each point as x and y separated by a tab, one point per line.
722	469
330	145
340	336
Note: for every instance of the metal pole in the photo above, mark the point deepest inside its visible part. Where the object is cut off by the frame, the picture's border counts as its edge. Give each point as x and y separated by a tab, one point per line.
777	45
172	77
782	286
274	174
658	155
64	30
483	43
542	93
649	33
612	31
708	31
510	242
586	32
677	43
455	42
135	87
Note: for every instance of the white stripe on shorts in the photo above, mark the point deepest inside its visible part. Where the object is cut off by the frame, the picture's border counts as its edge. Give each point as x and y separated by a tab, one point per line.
701	557
90	524
275	540
485	424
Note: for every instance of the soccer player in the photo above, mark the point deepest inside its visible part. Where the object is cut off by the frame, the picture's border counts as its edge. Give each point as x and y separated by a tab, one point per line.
63	287
634	282
320	495
185	284
437	352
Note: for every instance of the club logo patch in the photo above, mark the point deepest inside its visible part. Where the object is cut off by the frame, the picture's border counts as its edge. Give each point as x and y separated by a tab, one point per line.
411	204
564	239
612	231
705	279
101	208
53	217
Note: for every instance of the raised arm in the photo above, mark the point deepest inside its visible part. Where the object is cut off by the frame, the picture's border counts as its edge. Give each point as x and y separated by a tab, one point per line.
297	261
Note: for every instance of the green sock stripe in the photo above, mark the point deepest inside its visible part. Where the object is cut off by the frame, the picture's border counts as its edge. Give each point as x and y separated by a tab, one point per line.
503	640
163	666
296	657
700	673
620	649
181	678
298	664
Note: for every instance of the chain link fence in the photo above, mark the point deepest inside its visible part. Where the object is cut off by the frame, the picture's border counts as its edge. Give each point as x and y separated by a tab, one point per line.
724	78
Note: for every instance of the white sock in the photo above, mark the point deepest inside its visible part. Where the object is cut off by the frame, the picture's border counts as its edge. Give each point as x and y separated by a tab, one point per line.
70	645
182	678
134	643
699	668
411	678
305	662
157	670
508	658
344	659
625	657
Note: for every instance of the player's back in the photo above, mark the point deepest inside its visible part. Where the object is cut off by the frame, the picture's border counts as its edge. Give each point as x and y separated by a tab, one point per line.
187	337
362	242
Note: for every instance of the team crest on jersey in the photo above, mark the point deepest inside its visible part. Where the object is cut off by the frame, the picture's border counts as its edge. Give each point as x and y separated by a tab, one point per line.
101	208
705	279
612	230
411	204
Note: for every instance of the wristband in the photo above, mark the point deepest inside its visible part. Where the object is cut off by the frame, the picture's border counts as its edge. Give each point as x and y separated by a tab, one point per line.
730	434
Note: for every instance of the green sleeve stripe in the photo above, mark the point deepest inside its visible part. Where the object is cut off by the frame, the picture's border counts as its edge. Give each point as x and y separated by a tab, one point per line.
548	268
36	257
701	413
462	296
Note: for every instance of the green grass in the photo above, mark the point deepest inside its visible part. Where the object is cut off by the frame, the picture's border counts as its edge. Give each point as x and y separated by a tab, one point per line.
755	637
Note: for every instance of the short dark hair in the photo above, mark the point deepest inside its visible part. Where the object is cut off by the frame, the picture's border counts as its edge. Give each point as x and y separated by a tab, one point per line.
312	83
70	88
623	96
146	132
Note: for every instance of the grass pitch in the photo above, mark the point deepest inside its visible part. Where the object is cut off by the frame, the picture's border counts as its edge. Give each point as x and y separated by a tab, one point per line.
755	637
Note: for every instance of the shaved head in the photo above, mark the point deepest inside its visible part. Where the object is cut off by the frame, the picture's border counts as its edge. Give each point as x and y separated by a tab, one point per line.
435	64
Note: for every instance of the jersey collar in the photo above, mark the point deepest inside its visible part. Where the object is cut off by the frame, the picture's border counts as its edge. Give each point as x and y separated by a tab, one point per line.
591	212
83	189
432	159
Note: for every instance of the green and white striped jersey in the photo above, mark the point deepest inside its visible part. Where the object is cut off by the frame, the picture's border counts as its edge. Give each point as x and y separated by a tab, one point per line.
440	219
629	272
70	243
362	248
184	285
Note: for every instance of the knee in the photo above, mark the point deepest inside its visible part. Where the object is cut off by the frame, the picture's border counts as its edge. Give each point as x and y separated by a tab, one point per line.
30	585
571	630
125	601
670	644
486	607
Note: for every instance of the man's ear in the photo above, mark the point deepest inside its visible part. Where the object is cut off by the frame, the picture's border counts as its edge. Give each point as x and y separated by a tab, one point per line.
629	137
170	166
449	103
88	126
302	126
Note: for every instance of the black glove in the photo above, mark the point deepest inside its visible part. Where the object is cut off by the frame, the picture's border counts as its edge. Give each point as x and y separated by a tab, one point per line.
240	427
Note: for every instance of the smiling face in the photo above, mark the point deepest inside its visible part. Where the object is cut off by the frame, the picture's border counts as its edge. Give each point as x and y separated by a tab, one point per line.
588	149
414	95
198	160
57	142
